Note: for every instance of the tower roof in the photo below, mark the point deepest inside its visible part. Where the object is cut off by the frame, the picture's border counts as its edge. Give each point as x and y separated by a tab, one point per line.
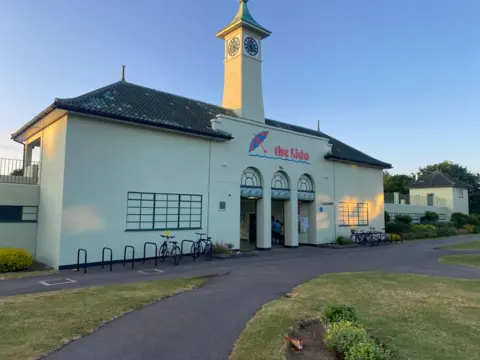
438	179
244	18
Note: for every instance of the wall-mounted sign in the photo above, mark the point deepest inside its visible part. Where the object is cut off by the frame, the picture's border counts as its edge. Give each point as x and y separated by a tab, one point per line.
327	203
321	209
258	148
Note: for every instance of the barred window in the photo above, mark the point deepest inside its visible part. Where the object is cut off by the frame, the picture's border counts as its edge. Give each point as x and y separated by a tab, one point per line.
14	214
353	214
161	211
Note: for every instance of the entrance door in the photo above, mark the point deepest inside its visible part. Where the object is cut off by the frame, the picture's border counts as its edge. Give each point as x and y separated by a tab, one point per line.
252	228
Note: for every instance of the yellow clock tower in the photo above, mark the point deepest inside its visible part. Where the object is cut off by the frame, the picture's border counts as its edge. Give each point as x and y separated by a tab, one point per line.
243	65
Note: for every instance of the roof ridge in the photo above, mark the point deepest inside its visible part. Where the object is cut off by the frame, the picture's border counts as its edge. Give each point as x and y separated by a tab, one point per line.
88	94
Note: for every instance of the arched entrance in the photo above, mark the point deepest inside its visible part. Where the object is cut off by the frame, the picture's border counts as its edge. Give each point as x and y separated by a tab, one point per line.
251	190
306	210
280	196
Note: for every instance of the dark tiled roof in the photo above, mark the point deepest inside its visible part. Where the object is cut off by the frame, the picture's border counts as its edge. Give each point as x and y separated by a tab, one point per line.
137	104
438	179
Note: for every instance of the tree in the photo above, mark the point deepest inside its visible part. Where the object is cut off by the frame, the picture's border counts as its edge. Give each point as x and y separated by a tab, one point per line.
18	172
396	183
461	173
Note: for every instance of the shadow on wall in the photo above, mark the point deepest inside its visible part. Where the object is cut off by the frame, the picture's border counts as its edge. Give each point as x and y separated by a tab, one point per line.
375	208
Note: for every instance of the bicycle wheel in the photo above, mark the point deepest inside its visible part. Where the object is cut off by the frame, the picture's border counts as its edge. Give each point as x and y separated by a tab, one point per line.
209	251
176	255
163	252
195	250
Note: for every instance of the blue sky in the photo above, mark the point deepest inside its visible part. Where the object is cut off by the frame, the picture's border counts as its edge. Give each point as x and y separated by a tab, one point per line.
397	79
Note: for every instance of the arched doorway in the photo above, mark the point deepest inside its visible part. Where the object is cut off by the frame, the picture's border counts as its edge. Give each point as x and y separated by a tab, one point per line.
251	190
306	210
280	187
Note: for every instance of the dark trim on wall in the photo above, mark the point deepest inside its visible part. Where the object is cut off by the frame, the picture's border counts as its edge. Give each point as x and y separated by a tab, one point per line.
263	249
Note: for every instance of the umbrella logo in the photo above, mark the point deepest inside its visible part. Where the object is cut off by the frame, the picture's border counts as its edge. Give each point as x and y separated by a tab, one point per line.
258	140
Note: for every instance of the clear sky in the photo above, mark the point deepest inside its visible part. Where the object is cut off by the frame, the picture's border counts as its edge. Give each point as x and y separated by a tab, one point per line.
397	79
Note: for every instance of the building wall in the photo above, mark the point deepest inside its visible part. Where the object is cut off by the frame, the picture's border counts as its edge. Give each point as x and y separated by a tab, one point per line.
358	184
442	193
460	204
417	211
20	235
107	160
52	160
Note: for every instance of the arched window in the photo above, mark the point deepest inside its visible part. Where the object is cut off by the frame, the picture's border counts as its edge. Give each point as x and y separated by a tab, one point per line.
306	190
251	178
280	181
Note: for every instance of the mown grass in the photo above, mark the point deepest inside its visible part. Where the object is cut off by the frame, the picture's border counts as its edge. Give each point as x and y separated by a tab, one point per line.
470	245
419	317
464	260
33	325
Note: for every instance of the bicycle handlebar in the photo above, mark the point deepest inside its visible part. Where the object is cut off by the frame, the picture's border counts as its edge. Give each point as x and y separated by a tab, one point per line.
168	237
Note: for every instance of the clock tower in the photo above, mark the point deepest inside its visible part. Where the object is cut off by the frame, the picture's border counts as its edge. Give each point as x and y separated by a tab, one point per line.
243	65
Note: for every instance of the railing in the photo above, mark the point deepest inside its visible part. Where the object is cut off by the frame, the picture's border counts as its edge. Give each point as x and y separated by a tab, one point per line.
14	172
407	199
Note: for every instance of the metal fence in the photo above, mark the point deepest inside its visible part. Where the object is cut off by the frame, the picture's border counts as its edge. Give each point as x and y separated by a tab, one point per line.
13	171
407	199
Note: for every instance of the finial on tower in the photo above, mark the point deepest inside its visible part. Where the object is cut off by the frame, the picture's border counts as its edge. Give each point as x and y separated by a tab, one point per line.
123	72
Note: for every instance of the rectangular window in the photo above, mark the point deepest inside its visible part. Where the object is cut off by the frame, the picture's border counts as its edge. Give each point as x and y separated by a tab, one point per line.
353	214
460	193
14	214
161	211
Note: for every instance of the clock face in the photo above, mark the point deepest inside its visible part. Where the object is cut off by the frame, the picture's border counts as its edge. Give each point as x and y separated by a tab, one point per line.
251	46
233	46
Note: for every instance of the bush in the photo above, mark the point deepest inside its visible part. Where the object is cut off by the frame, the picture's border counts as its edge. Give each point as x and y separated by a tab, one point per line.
462	232
446	230
403	218
472	229
430	217
396	237
387	217
474	219
333	313
221	248
340	240
459	220
367	351
397	228
344	335
14	259
423	228
409	236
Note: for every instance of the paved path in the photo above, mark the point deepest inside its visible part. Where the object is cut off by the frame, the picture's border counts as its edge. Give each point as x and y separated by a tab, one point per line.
204	324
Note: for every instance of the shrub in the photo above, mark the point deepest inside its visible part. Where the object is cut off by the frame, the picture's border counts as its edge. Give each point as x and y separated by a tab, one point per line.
343	335
423	228
398	228
474	219
340	240
470	228
221	248
459	219
403	218
446	230
462	232
14	259
367	351
409	236
387	217
333	313
431	234
430	217
396	237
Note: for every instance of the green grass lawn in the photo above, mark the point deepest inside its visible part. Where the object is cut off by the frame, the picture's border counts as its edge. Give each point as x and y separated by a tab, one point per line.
471	245
465	260
33	325
419	317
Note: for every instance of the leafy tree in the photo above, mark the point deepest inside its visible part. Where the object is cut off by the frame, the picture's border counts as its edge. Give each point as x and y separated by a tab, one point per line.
18	172
462	173
396	183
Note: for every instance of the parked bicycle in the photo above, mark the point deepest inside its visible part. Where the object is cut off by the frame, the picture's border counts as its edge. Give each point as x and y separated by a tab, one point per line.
203	246
174	252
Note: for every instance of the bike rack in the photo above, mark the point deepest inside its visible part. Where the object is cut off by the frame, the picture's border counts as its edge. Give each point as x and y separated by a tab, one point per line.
78	260
145	251
125	255
181	248
111	257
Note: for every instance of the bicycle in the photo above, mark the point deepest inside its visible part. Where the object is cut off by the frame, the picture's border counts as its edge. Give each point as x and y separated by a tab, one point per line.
202	246
175	253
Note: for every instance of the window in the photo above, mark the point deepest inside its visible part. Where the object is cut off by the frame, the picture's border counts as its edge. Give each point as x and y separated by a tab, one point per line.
460	193
222	205
18	213
159	211
353	214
